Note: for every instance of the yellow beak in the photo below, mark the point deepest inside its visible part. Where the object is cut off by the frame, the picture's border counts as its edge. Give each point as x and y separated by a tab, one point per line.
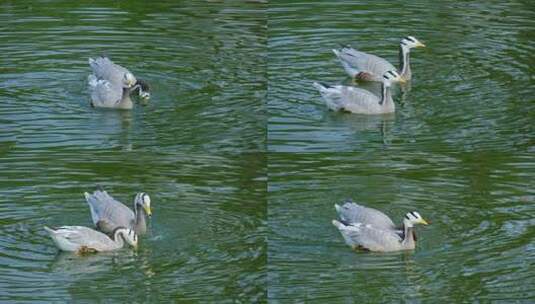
147	210
419	44
424	222
402	80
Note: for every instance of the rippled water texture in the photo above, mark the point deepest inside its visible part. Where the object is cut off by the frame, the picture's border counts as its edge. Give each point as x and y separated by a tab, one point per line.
459	150
195	148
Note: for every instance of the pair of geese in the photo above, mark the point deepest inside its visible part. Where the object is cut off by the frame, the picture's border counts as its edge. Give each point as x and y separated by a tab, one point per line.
110	85
115	224
366	67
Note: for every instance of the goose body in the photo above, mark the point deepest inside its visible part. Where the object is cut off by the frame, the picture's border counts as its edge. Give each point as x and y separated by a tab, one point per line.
370	229
107	94
360	101
367	67
110	85
108	213
83	239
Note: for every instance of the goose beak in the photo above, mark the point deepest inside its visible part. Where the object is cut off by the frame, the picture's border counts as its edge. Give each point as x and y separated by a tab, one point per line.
423	222
147	210
419	44
402	80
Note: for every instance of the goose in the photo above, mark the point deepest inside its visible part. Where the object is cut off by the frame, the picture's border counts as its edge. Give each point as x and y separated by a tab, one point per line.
360	101
107	213
110	85
368	67
82	239
370	229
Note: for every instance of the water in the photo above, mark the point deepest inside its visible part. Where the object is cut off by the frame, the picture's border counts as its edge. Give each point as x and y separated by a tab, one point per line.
459	150
196	148
244	217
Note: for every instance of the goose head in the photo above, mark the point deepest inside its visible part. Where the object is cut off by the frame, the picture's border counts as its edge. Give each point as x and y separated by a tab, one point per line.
129	80
412	218
143	200
142	88
410	42
392	76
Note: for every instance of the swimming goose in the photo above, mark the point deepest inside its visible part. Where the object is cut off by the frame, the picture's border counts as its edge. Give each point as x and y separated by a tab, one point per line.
85	240
360	101
368	67
370	229
111	84
107	213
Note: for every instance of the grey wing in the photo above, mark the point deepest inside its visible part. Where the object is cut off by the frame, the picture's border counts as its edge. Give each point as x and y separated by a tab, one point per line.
107	213
104	68
104	93
364	62
370	238
358	100
351	212
347	98
377	240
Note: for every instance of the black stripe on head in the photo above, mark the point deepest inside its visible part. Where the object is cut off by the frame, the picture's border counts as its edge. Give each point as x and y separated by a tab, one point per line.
413	214
407	216
385	77
410	39
391	73
143	194
403	42
144	85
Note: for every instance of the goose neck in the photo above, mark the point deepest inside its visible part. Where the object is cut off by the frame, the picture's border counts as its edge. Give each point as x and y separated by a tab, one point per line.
140	224
118	238
408	236
404	62
386	96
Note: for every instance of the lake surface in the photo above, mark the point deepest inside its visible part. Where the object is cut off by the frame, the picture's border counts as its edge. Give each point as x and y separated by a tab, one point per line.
196	148
459	150
243	161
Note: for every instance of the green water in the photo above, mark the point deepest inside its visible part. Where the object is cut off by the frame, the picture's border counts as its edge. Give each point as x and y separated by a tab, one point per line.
243	161
197	149
459	150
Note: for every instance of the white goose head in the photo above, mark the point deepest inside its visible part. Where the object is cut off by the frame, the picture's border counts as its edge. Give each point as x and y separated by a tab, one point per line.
129	80
410	42
392	76
412	218
142	199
